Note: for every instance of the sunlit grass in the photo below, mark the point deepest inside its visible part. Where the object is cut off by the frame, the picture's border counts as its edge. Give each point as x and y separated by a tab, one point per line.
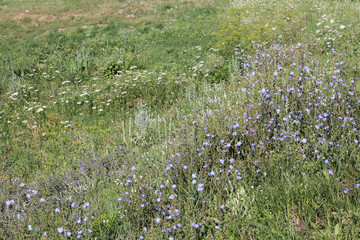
174	120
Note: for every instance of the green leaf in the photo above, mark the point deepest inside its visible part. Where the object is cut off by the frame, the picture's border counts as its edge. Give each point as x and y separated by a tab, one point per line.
337	229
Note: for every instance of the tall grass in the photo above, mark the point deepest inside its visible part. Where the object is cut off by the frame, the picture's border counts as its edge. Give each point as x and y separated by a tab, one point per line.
109	133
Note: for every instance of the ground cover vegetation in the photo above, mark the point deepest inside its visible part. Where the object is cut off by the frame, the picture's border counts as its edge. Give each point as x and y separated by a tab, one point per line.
179	119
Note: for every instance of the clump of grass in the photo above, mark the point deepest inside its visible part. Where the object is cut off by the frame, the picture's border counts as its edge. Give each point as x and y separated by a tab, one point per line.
251	21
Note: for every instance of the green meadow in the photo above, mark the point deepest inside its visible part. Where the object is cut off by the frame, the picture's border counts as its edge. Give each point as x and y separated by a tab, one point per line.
179	119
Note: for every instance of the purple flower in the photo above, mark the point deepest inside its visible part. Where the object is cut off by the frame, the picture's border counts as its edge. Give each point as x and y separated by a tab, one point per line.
158	220
176	211
217	227
145	229
346	190
60	229
195	225
275	74
173	186
10	202
357	185
42	200
304	140
128	181
222	161
200	187
238	144
194	181
193	175
30	228
22	184
330	171
326	161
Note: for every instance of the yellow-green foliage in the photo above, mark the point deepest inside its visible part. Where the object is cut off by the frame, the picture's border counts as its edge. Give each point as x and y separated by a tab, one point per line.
262	20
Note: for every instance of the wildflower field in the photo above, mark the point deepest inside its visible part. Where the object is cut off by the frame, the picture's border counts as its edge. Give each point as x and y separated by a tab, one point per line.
180	119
